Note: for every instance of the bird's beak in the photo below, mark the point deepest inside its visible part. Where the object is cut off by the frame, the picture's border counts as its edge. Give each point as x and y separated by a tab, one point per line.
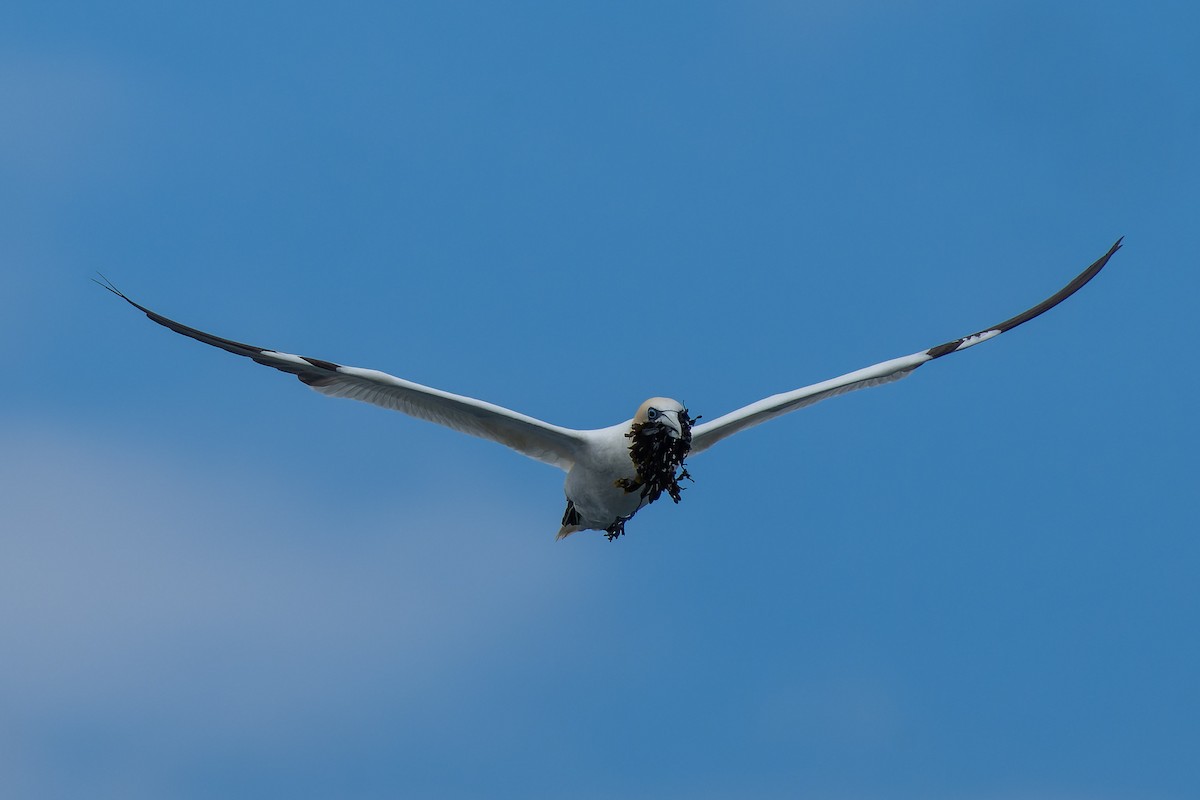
670	421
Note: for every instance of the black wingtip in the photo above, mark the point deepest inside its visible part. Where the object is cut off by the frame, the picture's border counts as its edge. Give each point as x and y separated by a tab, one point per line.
1075	285
107	284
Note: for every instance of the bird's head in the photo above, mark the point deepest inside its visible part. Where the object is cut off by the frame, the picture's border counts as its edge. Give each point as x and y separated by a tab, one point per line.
660	437
663	416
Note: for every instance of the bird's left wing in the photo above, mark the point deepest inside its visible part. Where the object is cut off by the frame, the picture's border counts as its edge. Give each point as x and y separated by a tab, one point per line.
707	434
532	437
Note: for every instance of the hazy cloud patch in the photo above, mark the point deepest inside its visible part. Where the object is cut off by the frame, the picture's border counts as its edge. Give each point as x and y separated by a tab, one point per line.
147	604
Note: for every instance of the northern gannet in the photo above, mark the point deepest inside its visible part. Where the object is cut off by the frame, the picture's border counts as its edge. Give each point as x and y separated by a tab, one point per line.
611	472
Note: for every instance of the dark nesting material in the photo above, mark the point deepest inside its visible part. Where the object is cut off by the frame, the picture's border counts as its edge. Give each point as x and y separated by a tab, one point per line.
658	457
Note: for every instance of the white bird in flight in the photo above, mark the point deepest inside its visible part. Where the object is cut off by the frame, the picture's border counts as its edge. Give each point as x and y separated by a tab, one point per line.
611	472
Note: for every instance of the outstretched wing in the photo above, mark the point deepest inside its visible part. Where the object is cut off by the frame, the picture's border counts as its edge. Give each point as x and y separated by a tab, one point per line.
706	435
532	437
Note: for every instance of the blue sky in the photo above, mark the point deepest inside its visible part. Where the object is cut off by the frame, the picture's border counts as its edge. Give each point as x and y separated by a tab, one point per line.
978	583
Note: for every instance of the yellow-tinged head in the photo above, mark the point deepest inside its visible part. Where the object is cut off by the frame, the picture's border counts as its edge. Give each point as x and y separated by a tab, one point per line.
663	412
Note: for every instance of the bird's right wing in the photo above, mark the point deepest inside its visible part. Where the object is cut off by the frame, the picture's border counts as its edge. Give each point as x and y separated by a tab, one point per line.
532	437
706	435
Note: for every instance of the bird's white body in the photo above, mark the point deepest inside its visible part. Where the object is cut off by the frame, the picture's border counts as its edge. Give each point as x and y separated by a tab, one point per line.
611	472
594	482
619	469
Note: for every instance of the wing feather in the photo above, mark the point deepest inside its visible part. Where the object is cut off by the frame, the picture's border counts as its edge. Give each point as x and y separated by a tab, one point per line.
707	434
540	440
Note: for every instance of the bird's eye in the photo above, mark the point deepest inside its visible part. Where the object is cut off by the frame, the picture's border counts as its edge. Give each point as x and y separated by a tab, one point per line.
652	413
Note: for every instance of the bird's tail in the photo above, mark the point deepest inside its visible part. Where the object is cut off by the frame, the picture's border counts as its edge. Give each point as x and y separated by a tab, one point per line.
567	530
570	521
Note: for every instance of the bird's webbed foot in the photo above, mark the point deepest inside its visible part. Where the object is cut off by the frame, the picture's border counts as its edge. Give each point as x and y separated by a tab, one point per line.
570	516
628	484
